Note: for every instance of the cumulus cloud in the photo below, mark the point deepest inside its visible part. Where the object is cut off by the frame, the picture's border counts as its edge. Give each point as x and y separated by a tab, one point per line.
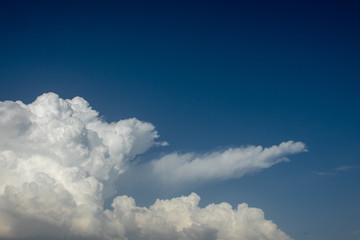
59	161
182	218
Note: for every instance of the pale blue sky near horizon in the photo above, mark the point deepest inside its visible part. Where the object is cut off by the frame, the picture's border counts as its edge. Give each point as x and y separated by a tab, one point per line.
211	75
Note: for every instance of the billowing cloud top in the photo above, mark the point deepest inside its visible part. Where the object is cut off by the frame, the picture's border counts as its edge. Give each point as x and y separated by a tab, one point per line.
59	160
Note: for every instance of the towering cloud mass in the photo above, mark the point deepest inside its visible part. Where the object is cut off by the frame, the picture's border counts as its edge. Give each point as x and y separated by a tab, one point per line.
59	161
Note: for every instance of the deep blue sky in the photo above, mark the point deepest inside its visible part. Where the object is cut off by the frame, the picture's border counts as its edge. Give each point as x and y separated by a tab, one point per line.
211	75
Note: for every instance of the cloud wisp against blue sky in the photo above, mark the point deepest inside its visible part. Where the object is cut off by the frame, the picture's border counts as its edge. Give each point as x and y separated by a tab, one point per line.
231	163
337	170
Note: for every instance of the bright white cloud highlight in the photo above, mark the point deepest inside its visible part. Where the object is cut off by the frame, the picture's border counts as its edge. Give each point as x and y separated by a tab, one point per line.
59	160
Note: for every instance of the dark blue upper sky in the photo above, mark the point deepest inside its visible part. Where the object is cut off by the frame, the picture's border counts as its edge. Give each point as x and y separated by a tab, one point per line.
211	75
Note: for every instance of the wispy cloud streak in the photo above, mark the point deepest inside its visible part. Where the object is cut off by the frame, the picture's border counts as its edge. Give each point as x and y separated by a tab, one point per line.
337	170
232	163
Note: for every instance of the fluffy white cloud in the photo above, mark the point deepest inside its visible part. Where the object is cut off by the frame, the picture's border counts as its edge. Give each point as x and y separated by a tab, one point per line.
59	160
182	218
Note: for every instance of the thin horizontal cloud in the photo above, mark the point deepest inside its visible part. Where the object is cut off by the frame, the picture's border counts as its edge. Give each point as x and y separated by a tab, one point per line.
325	173
337	170
232	163
347	168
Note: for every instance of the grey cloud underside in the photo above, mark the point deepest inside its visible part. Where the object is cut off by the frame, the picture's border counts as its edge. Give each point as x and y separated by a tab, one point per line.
59	161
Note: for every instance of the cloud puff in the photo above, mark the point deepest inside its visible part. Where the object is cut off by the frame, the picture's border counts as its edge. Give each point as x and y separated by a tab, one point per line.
182	218
59	161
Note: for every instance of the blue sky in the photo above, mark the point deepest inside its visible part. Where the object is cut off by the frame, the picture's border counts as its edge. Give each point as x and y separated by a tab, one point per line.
209	76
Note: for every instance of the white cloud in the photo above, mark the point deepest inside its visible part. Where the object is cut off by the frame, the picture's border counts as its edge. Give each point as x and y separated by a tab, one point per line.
182	218
231	163
59	161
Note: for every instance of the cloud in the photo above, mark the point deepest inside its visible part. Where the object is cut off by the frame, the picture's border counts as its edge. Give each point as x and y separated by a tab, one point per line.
347	168
325	173
231	163
337	170
182	218
59	161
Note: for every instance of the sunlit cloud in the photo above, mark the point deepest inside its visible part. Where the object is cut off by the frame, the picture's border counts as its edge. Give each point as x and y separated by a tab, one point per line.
59	161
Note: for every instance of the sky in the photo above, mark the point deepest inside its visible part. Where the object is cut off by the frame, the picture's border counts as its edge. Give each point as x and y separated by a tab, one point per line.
203	105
